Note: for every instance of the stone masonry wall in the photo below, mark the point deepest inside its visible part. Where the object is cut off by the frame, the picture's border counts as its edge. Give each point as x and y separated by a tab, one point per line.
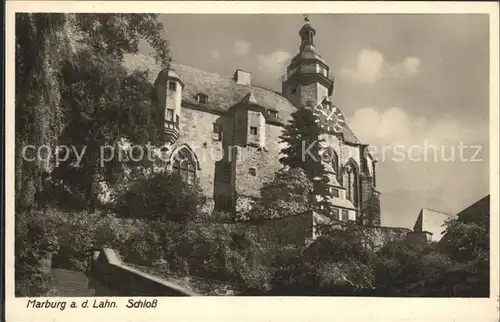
370	202
262	162
196	128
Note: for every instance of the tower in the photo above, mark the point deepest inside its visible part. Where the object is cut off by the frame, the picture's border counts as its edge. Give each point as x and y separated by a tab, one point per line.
169	88
307	80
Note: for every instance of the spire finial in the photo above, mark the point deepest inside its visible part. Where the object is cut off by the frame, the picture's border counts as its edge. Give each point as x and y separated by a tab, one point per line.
306	18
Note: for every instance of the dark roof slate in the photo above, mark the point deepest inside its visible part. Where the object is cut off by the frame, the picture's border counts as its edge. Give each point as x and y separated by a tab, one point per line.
223	92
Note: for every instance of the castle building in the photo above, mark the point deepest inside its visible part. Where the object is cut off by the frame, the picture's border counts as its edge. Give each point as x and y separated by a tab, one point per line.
226	132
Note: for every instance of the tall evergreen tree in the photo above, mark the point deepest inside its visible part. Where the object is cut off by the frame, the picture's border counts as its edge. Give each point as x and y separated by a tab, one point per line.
303	150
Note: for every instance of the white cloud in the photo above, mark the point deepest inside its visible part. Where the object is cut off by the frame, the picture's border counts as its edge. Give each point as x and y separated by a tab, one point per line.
274	63
420	160
241	47
371	67
368	67
394	126
409	66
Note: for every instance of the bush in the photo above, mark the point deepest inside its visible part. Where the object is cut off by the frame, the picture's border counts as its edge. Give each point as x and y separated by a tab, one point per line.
163	196
35	240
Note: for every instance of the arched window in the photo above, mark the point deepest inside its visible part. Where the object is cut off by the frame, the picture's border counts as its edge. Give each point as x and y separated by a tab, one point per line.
184	164
335	164
351	182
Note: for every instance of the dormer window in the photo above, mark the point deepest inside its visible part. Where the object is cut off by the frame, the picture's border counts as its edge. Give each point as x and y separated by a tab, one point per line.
273	114
202	98
172	86
253	130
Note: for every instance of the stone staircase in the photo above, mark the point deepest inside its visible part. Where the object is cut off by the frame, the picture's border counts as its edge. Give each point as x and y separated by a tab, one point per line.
71	283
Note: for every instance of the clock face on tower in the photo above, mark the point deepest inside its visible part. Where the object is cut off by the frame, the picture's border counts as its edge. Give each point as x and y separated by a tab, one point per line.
329	117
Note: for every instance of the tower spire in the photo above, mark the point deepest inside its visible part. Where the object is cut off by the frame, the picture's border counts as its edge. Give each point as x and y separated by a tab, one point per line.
306	33
307	75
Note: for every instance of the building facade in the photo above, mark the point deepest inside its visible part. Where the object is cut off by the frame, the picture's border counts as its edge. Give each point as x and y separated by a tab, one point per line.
227	131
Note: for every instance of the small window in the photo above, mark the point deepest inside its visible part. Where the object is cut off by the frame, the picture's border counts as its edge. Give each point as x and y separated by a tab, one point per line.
177	119
335	214
253	130
345	215
252	171
201	98
170	114
294	90
273	114
216	132
334	192
172	86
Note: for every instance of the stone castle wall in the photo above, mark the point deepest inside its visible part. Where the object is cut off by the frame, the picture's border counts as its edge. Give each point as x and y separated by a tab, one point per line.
299	230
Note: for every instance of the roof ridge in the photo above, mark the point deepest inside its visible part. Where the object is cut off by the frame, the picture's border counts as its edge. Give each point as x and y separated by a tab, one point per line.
203	71
230	78
439	211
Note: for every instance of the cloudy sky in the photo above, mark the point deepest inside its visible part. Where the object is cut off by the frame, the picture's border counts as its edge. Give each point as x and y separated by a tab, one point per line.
416	87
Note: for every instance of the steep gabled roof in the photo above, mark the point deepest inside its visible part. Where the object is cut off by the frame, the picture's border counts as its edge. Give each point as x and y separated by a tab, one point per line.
250	99
477	212
223	92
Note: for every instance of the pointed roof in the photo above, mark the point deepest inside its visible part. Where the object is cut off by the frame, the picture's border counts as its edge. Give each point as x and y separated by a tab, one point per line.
307	50
250	99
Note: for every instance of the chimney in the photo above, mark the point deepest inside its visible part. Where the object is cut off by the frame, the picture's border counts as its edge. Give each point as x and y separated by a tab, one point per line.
243	77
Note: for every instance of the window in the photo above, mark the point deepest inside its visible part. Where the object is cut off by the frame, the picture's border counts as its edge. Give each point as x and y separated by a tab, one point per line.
170	114
252	171
201	98
335	163
350	182
273	114
374	177
294	90
217	132
177	119
345	215
253	130
184	165
172	86
335	214
334	192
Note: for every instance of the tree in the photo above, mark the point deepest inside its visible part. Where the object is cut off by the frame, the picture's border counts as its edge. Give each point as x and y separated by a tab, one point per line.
466	241
107	106
43	44
163	196
47	47
303	150
288	194
337	262
71	89
458	265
